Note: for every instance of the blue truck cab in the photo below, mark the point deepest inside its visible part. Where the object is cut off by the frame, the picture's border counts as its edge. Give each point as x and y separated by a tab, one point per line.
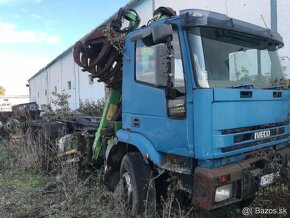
208	105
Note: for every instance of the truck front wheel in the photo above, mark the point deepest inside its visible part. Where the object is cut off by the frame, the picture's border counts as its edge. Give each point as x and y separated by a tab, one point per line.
138	187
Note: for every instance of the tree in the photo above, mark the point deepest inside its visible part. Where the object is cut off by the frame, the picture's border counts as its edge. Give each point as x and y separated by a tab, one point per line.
2	90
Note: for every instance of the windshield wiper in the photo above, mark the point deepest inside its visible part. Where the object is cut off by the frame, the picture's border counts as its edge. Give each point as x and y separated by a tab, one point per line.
276	87
244	86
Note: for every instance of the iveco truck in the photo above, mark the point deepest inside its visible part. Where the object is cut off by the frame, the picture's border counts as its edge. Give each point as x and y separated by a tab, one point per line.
200	96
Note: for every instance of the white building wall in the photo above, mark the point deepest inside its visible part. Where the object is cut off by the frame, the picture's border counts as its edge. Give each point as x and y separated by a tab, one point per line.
56	78
33	90
77	96
216	5
145	11
68	79
43	93
246	10
89	89
37	87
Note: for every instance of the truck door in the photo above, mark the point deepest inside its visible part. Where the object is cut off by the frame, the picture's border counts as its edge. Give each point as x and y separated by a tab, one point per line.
145	108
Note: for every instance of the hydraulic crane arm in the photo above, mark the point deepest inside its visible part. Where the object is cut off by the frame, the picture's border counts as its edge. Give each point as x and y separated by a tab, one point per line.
101	55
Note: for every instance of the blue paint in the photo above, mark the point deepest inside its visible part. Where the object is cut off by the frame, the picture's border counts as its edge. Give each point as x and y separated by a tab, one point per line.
142	143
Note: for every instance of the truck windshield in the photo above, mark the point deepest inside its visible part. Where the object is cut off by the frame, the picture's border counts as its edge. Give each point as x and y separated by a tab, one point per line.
224	58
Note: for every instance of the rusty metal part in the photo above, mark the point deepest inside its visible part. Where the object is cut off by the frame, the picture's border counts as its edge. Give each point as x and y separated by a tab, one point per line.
101	52
160	13
204	185
242	175
165	11
178	164
99	57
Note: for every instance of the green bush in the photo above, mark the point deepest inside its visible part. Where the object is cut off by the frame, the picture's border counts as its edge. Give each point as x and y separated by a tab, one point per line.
92	108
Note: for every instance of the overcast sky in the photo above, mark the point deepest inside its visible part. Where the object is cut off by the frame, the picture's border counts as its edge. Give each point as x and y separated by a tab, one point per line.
34	32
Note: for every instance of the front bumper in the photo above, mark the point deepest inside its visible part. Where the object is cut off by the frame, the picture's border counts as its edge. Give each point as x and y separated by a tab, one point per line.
242	175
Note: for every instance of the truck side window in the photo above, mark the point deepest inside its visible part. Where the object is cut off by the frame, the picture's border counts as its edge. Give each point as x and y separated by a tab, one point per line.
145	72
145	63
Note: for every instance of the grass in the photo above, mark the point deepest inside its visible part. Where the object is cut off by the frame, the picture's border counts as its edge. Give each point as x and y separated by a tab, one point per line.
16	184
28	192
16	187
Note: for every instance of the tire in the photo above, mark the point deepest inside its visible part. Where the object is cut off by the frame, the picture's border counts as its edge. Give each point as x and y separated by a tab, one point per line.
138	188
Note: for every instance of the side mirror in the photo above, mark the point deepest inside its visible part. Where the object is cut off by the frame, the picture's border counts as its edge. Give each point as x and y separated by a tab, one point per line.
161	65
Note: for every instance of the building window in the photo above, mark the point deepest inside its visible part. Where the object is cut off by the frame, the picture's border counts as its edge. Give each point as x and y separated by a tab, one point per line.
69	85
5	99
55	88
45	92
38	94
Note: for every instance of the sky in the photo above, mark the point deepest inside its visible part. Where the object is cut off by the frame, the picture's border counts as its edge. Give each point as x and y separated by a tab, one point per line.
34	32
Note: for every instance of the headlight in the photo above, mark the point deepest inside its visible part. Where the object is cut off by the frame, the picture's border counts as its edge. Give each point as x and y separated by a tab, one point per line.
223	192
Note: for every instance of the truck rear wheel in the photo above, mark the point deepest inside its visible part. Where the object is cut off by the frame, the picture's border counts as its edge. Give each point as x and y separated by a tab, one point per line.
138	187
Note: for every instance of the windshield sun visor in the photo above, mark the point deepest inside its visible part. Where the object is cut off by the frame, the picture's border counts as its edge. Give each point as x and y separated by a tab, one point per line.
201	18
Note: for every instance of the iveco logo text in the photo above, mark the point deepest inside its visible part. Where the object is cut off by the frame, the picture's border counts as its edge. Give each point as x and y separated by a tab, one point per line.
262	134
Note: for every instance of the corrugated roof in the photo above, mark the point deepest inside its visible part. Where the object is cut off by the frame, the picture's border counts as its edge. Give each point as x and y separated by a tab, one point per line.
130	4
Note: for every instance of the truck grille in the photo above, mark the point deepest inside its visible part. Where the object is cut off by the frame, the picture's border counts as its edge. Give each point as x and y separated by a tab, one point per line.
251	136
254	137
249	144
252	128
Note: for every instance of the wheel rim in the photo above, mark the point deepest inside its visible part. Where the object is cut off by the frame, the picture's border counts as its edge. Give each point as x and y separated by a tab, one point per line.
127	191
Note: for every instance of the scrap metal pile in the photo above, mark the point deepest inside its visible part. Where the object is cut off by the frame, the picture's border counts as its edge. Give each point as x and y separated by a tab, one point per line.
100	53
